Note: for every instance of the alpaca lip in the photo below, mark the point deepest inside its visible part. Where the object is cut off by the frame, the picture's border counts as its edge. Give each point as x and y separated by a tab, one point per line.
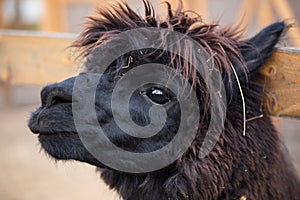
37	126
35	129
33	122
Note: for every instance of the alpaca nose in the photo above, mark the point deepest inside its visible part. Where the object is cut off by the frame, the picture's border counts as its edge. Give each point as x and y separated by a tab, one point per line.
57	93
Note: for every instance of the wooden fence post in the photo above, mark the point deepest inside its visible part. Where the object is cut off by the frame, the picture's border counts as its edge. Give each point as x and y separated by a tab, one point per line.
1	14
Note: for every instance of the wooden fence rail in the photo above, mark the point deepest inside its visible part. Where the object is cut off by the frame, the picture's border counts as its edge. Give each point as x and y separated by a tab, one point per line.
35	58
39	59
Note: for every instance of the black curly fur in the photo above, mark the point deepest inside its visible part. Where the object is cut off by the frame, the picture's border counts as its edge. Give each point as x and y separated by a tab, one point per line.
254	166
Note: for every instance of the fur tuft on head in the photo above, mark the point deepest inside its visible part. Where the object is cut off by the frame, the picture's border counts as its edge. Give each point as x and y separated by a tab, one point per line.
220	43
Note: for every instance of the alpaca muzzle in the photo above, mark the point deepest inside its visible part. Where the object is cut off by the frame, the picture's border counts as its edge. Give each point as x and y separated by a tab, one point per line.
57	93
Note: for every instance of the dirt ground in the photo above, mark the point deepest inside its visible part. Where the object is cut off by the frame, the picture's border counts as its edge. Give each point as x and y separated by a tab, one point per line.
27	174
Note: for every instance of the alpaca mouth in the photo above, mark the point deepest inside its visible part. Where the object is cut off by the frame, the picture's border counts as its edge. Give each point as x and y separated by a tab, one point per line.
60	143
58	137
33	123
67	147
56	101
44	123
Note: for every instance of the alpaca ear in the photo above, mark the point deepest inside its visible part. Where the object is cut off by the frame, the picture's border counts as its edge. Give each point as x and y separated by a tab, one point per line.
260	47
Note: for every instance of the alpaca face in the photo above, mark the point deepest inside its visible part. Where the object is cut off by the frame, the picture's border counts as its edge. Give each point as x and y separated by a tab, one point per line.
54	120
219	175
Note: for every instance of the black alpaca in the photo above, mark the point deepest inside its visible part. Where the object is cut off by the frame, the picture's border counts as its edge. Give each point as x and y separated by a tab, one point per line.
252	166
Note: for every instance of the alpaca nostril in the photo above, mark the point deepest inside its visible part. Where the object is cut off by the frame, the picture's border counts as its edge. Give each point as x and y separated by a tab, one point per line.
44	95
52	95
54	100
57	93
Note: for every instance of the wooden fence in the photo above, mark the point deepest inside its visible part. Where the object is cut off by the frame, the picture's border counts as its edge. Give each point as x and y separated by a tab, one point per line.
39	59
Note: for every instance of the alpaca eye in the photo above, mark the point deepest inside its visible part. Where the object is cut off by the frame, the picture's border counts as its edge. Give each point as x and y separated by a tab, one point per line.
158	95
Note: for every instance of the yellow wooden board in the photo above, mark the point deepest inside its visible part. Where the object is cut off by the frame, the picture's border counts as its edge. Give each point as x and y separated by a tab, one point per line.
39	59
282	74
34	58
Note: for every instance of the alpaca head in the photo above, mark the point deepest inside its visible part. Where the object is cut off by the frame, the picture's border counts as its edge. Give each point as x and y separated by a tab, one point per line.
150	105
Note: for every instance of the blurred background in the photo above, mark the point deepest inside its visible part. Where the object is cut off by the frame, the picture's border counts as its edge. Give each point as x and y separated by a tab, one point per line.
33	39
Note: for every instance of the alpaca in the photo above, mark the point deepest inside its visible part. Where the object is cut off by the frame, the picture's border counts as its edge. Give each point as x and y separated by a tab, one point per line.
248	160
